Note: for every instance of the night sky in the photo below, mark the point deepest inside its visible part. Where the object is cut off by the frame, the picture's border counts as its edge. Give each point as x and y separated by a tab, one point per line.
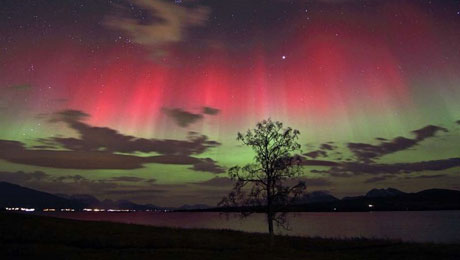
142	99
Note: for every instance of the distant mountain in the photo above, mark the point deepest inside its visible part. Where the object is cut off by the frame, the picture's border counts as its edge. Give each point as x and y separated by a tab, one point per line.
12	195
87	200
317	197
389	199
92	202
193	207
384	193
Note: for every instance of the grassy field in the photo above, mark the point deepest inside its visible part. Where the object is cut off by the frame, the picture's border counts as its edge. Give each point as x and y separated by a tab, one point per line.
28	236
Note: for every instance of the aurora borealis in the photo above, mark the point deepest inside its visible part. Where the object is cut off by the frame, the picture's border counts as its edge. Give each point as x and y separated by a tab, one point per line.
143	99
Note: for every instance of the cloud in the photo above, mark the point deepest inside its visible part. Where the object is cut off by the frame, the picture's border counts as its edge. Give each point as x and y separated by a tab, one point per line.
109	140
368	152
15	152
127	179
426	176
427	132
133	191
217	182
306	162
327	146
314	182
350	169
22	177
210	111
181	117
378	179
100	148
169	23
208	165
68	184
69	116
68	159
315	154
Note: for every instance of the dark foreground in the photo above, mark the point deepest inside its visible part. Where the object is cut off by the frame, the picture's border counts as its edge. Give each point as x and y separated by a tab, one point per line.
28	236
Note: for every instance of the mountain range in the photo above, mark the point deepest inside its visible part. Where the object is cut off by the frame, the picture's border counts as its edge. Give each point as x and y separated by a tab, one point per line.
390	199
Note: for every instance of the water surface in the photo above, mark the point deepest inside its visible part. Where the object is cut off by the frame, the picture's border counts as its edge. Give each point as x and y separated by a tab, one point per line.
417	226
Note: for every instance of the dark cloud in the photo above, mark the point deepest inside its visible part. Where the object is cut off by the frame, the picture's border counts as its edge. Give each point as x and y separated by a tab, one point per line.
68	159
316	182
133	192
68	184
169	24
208	165
327	146
350	169
69	116
100	148
181	117
368	152
210	111
75	178
426	176
22	177
378	179
306	162
109	140
217	182
427	132
15	152
127	179
316	154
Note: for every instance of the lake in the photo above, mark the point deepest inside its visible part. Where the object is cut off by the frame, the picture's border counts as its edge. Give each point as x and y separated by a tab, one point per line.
416	226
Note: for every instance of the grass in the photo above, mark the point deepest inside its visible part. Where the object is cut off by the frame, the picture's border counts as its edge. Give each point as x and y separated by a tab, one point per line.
29	236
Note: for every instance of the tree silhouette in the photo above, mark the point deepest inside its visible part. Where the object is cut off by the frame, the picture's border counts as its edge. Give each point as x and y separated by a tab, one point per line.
263	184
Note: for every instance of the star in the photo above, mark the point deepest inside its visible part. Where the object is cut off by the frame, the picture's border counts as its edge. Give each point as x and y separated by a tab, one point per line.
283	57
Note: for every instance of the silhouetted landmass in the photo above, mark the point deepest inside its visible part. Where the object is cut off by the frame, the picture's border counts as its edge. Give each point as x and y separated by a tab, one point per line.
192	207
28	236
433	199
384	193
375	200
92	202
12	195
317	197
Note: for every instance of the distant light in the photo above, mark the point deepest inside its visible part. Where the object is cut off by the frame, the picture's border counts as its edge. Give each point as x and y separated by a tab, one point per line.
371	206
283	57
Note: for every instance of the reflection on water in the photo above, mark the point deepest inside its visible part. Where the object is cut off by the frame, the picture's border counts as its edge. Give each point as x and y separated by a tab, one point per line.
420	226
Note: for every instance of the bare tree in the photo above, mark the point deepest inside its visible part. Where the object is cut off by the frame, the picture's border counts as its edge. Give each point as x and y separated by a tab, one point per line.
263	184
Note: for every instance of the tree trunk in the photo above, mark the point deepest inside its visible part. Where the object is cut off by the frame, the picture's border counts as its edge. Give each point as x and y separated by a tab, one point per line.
270	214
270	227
